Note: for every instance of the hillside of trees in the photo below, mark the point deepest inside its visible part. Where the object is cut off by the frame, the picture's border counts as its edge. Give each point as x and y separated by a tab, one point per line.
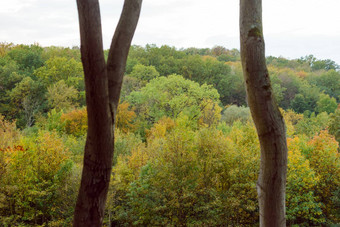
186	150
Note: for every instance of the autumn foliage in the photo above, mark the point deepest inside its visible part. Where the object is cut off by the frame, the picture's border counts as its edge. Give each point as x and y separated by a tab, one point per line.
75	122
186	152
125	117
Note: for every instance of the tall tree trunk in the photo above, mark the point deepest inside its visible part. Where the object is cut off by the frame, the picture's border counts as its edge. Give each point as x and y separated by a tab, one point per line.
271	185
102	83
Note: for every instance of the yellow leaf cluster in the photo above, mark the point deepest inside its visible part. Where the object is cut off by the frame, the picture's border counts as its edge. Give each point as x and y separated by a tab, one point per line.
75	122
125	118
8	133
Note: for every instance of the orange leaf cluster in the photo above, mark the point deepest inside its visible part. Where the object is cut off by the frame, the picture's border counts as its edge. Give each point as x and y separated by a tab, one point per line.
75	122
125	118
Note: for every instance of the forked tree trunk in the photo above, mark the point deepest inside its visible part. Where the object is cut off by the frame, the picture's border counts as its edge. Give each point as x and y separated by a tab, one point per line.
103	84
271	185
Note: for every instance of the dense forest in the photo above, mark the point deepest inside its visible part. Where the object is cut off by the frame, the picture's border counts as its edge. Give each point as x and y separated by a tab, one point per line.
186	150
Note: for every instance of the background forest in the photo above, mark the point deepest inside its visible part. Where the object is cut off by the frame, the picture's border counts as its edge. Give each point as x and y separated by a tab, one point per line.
186	150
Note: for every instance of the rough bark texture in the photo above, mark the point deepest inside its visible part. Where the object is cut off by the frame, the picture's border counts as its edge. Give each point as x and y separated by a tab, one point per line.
269	122
102	83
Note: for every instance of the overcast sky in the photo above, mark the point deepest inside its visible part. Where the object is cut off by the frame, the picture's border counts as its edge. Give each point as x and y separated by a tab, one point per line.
292	28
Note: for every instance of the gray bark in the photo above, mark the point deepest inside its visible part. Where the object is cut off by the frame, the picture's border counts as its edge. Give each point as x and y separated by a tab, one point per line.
268	120
102	83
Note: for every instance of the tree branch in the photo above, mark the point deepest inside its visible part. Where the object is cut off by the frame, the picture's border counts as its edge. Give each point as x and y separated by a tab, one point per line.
120	46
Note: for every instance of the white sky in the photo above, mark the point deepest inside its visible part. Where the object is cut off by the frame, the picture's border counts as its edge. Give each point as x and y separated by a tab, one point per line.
292	28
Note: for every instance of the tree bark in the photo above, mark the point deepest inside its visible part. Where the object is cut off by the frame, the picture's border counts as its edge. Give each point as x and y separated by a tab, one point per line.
102	83
268	120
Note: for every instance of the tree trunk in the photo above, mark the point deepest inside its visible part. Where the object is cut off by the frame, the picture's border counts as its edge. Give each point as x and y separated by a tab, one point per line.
102	83
268	120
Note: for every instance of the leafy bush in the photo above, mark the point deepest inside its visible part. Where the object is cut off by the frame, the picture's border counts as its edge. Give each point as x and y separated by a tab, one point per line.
236	113
33	189
75	122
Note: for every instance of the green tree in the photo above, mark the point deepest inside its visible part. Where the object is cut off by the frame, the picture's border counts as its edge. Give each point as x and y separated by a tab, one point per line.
213	72
27	57
27	99
186	177
303	207
286	79
334	125
317	64
322	153
61	52
10	75
52	122
36	175
61	68
130	84
299	104
313	124
328	82
61	97
278	92
326	104
169	96
281	62
306	98
236	113
145	73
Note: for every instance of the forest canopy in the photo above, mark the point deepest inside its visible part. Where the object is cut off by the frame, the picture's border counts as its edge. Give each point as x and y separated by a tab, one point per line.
186	150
